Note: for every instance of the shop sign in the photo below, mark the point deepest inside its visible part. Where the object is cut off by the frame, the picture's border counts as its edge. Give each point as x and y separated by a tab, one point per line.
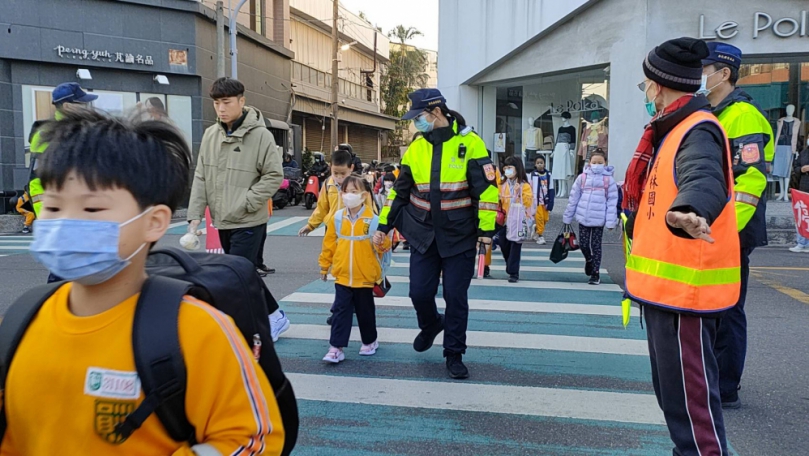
96	55
576	106
785	27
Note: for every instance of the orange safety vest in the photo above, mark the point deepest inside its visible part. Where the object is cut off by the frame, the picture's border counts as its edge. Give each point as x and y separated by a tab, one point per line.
683	274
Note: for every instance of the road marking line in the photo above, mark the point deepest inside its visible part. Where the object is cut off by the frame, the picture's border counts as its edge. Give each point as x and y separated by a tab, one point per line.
496	256
523	268
763	268
480	304
284	223
606	345
797	295
584	286
475	397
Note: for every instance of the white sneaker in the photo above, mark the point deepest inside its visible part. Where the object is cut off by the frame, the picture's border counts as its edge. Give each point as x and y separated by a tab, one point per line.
368	350
541	240
335	355
799	248
279	325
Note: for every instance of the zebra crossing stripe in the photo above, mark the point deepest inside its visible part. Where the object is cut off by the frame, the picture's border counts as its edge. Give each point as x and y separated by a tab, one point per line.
524	284
490	339
479	304
513	400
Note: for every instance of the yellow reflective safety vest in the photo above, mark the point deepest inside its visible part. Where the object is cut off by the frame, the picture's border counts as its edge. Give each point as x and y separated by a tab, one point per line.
681	274
751	145
445	192
34	184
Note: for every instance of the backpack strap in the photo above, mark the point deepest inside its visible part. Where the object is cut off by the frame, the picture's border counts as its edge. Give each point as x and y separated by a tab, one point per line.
16	321
159	359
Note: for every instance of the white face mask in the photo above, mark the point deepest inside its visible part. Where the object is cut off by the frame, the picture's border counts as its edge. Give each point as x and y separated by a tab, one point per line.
388	185
352	200
509	172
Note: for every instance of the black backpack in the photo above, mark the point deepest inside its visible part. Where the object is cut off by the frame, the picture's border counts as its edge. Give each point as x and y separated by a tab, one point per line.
227	282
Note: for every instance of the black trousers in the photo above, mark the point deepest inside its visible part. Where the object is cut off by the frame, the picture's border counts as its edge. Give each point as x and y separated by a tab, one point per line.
512	251
260	257
686	380
731	339
426	270
244	242
347	302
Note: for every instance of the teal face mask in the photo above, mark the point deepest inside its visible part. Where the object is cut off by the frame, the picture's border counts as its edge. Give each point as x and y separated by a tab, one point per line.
651	109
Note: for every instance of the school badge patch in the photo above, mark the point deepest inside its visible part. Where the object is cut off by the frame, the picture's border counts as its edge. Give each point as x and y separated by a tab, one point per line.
108	414
366	227
489	170
751	154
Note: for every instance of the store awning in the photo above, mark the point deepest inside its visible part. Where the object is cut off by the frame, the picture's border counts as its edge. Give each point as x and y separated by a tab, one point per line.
321	108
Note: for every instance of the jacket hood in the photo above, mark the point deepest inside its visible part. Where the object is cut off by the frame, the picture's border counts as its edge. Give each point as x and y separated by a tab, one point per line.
252	119
609	170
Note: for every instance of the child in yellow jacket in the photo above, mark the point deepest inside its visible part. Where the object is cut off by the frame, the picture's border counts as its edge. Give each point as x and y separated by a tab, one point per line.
355	262
514	189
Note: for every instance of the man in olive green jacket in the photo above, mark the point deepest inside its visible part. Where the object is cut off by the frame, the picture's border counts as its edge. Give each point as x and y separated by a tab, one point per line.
238	171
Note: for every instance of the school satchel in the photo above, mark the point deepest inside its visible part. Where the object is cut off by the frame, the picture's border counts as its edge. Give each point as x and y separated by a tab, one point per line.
228	283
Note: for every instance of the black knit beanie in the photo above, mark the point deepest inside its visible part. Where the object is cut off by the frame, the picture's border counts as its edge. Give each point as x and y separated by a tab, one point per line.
677	64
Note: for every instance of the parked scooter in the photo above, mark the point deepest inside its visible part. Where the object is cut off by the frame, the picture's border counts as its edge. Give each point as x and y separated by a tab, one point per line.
281	197
316	177
295	187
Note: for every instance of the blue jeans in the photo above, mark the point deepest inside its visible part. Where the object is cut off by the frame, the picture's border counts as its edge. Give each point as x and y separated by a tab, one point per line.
801	240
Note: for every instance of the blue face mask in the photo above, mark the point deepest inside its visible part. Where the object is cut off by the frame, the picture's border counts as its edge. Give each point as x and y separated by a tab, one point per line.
83	251
597	169
422	125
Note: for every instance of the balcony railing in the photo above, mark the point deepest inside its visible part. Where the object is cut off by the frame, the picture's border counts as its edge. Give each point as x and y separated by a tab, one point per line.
309	75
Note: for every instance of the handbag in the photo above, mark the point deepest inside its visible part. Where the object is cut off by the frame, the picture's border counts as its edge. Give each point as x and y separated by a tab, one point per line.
559	251
571	241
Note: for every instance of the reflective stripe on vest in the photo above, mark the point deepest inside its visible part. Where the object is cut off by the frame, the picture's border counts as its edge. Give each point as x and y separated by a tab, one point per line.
456	204
423	188
419	203
676	273
487	206
454	186
747	198
36	199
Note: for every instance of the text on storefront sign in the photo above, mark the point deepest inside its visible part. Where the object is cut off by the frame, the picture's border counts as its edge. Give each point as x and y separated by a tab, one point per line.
103	56
785	27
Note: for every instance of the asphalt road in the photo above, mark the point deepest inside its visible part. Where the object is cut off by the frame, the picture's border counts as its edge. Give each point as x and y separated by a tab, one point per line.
775	388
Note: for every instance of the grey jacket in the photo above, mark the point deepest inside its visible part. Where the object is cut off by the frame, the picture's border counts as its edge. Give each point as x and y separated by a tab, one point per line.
236	175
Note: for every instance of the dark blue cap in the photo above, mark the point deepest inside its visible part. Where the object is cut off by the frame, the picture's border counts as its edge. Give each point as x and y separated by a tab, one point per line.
71	92
423	99
723	53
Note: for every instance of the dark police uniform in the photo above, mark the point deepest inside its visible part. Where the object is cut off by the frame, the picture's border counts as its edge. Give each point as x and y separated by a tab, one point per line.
443	200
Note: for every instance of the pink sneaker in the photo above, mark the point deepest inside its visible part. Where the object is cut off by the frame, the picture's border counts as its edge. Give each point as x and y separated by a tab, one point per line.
368	350
334	356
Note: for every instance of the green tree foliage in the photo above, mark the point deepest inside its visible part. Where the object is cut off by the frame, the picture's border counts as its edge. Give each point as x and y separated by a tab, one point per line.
405	73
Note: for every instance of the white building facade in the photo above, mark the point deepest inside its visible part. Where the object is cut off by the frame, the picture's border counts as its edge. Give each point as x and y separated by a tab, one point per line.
530	61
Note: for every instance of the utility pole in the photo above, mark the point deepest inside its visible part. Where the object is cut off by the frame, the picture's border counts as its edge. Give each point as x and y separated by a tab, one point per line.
334	75
234	63
220	40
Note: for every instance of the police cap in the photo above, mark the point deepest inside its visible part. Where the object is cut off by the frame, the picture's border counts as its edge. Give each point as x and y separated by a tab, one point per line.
723	53
424	99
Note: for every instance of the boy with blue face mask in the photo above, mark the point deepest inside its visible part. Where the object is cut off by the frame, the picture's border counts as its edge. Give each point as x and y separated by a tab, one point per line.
110	190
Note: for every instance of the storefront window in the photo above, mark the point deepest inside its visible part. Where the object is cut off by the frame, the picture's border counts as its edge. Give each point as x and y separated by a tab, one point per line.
563	118
37	106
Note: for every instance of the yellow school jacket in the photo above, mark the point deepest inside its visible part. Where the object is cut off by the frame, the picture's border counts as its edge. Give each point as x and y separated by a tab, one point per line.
527	196
354	263
74	378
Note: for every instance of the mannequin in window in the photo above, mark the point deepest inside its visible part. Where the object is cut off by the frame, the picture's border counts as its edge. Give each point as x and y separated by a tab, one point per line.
564	156
786	146
531	138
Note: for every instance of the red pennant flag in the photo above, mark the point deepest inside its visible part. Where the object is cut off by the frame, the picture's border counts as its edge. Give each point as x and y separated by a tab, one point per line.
800	208
212	243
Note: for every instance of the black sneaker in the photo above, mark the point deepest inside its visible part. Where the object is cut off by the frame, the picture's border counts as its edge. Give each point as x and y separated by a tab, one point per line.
406	246
588	268
26	230
455	366
261	273
328	320
427	336
732	402
267	270
595	279
486	272
513	279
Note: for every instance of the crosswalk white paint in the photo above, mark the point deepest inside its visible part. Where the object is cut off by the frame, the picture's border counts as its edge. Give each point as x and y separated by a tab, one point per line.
515	400
500	267
527	284
490	339
496	256
284	223
481	304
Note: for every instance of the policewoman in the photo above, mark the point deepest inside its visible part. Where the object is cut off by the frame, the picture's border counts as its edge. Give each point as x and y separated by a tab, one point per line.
445	203
751	144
